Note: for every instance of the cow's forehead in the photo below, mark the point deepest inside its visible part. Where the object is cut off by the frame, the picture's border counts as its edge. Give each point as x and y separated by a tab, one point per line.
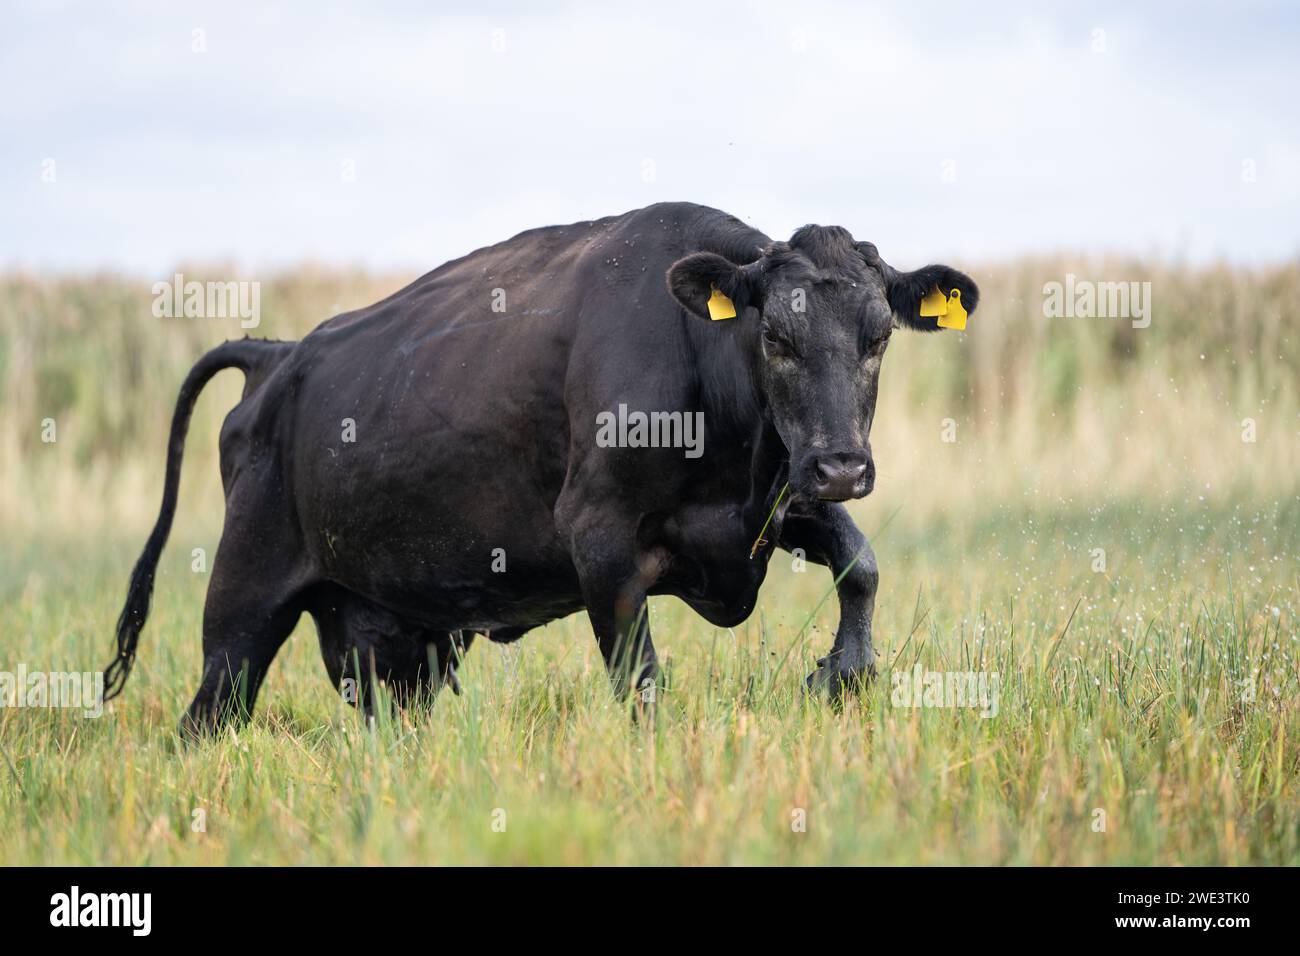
847	281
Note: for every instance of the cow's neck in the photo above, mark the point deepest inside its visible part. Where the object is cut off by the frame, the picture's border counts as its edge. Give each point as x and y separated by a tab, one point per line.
769	473
736	413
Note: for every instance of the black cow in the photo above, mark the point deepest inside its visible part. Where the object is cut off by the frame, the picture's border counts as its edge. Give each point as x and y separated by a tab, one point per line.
445	462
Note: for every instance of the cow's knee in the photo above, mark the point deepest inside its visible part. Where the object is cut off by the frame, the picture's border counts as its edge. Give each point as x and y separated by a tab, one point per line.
863	576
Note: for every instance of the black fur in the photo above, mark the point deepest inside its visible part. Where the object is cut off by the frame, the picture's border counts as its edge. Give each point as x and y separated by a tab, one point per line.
476	431
907	289
247	355
829	248
693	278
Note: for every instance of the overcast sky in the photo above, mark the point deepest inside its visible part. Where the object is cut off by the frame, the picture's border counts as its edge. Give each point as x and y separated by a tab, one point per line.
398	139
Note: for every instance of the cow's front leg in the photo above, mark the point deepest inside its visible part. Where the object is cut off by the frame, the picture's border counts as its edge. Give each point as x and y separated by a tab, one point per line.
615	580
827	535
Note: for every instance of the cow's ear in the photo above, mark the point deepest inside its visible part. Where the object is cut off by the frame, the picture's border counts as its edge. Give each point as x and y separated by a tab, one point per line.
905	290
693	279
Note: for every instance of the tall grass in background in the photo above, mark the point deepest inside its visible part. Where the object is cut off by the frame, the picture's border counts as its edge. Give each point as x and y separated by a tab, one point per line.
1063	408
1156	686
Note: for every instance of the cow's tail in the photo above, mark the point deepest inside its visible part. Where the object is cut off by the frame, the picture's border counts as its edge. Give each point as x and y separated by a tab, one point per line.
251	356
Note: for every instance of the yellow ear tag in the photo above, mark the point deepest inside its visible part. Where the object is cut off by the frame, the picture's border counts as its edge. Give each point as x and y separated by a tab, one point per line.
955	317
720	307
934	304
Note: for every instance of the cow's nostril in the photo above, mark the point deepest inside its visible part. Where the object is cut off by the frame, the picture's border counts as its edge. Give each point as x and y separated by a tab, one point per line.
840	471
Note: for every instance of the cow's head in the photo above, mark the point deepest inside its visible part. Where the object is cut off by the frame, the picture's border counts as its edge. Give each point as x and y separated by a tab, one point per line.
816	314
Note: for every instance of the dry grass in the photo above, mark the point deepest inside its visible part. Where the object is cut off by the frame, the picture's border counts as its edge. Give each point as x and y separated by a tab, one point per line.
1170	703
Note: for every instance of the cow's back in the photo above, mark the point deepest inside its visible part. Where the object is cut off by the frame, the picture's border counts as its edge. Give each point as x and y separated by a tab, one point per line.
433	427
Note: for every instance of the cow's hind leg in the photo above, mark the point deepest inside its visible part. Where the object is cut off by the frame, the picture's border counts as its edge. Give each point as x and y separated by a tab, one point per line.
250	612
362	643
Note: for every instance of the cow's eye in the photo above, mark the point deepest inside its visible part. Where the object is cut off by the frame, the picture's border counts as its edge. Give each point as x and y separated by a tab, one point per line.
875	349
773	344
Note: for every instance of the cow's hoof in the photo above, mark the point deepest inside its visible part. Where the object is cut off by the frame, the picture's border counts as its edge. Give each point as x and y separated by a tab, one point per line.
452	680
838	681
197	726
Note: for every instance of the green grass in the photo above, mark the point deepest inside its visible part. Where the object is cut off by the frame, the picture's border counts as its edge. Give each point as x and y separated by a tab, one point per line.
1140	709
1071	435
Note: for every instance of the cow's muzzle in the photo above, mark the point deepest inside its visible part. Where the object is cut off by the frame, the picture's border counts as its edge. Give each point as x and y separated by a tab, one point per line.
840	476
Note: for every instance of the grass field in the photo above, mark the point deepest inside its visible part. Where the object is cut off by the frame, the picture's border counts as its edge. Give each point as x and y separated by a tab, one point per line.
1146	711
